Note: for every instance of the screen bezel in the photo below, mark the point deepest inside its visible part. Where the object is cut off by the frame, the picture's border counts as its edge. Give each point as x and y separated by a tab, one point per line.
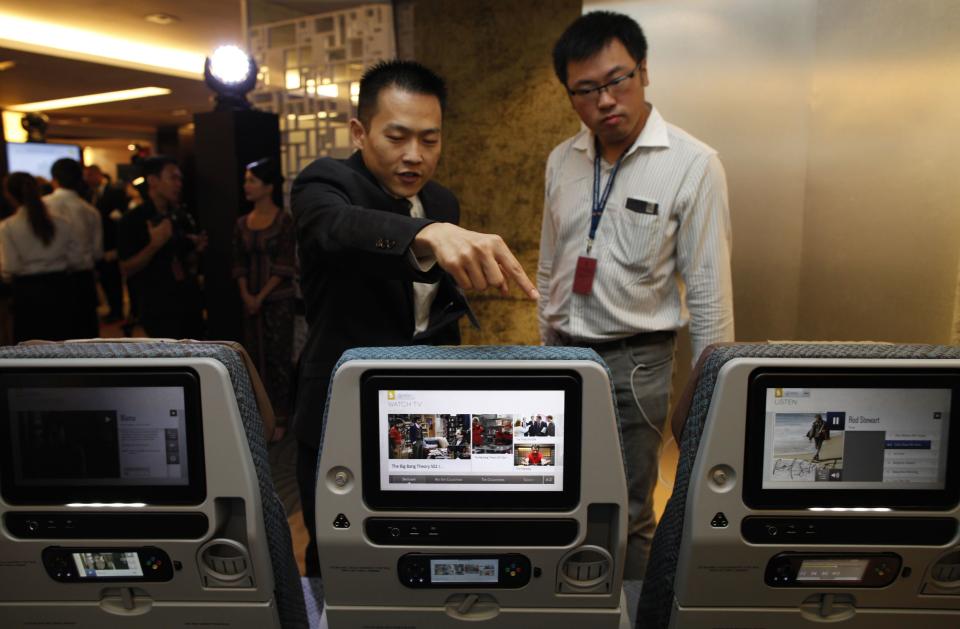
755	496
193	493
471	380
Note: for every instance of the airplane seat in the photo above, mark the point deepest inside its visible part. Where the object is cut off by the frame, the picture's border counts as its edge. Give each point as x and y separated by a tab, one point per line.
136	490
514	516
816	483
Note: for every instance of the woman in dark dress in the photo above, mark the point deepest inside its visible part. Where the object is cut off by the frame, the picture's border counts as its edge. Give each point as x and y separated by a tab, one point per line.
264	267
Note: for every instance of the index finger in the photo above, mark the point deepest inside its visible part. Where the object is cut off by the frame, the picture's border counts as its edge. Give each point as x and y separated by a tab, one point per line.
513	267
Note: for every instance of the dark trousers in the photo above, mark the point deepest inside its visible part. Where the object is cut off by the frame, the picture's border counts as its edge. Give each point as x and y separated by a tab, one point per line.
642	369
178	315
112	284
187	324
42	307
307	460
85	324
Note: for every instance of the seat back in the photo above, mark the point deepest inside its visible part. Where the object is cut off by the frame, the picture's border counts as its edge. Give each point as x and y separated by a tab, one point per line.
442	499
137	490
769	525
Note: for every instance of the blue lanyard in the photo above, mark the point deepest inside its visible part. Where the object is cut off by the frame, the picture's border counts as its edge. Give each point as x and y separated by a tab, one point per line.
600	202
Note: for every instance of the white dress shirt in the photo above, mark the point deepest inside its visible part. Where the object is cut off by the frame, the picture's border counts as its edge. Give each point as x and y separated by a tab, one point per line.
86	224
423	293
639	250
22	253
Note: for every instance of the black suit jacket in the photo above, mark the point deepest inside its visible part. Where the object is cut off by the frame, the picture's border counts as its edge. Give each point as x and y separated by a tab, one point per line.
357	280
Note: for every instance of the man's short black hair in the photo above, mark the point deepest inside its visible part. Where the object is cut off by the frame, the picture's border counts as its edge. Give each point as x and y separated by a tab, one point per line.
68	173
590	33
155	164
409	76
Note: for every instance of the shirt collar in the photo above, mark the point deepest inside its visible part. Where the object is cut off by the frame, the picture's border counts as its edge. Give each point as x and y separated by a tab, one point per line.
653	135
63	192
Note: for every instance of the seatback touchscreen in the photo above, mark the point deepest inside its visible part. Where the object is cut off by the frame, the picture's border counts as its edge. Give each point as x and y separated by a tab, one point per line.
878	437
473	435
104	437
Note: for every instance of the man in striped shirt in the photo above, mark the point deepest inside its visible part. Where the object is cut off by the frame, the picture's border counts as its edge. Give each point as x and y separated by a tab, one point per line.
632	206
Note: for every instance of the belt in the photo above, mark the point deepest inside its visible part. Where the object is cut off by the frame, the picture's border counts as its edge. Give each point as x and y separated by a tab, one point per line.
643	338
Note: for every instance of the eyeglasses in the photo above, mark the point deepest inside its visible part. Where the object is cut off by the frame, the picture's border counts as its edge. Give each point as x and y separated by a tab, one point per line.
615	86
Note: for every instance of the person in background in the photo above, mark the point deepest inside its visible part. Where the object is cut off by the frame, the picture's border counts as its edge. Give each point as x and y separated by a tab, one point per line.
66	201
44	186
535	458
37	250
6	291
477	431
158	247
264	249
396	440
610	270
111	201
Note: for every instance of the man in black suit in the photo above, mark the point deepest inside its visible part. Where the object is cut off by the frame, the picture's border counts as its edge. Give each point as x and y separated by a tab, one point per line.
383	260
536	428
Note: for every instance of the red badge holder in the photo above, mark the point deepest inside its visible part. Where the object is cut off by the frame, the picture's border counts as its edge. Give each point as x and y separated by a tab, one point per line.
583	277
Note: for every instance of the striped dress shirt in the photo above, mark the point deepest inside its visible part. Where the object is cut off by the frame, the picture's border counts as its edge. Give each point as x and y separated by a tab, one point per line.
667	216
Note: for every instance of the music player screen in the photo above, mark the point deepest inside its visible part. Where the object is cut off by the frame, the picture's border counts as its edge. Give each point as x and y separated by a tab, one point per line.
478	440
832	570
856	438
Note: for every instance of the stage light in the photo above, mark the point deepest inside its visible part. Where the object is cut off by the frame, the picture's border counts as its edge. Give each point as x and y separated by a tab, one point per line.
230	73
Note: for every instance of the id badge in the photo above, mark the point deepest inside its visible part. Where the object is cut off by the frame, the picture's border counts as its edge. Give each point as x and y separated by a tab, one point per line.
583	277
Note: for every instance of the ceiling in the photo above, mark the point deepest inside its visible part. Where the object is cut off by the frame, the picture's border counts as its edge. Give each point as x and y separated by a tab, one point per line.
42	73
38	77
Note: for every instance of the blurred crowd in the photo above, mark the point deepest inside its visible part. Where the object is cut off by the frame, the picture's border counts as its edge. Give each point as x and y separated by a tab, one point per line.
80	251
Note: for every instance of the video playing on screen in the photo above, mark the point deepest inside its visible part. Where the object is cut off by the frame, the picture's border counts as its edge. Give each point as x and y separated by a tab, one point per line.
856	438
471	440
106	565
82	436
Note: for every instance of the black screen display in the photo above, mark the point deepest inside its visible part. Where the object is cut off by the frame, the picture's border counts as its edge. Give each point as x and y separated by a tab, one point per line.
96	436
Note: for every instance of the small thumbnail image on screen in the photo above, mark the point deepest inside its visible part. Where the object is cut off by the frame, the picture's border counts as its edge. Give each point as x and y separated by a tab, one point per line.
492	434
429	436
537	426
68	444
534	454
108	564
466	570
808	446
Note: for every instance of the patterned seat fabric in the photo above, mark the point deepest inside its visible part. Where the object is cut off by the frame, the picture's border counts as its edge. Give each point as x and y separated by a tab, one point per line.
288	592
656	599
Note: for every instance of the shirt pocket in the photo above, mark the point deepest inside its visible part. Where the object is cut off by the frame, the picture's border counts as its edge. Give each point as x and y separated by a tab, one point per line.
635	240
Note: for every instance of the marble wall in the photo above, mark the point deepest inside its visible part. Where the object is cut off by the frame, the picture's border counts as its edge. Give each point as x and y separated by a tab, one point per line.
506	111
